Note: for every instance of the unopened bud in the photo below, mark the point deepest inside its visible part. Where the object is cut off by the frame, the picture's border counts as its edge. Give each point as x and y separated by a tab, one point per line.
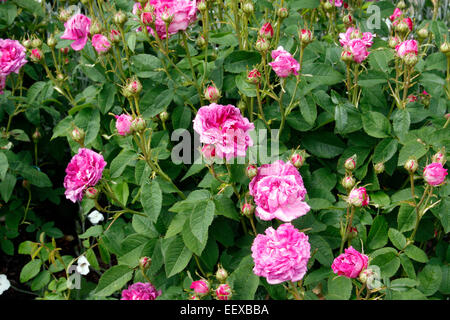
145	263
64	15
248	209
120	18
26	184
114	36
283	13
251	171
201	42
36	55
346	56
440	157
164	116
402	27
254	76
410	59
36	135
36	43
262	45
411	165
347	19
348	182
91	193
445	48
138	125
64	51
393	42
306	36
297	159
95	27
78	135
266	31
401	5
221	274
327	6
350	163
201	5
27	43
132	88
167	17
248	8
378	168
209	151
423	33
51	41
212	94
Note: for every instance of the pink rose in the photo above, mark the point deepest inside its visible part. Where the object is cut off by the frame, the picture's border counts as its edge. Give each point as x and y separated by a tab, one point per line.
223	292
140	291
225	128
281	255
100	43
181	13
397	13
284	64
355	44
408	46
208	151
279	192
266	30
337	3
200	287
350	264
123	124
84	170
434	174
359	50
12	56
358	197
77	29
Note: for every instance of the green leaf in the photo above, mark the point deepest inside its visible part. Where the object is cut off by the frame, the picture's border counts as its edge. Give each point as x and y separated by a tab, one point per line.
408	266
323	254
402	284
243	281
145	65
4	165
226	207
323	144
348	119
378	234
176	255
113	280
442	211
339	288
376	124
123	159
429	279
106	97
411	294
93	231
385	150
42	279
181	117
177	223
397	238
240	61
411	149
30	270
416	253
151	199
248	89
7	186
406	218
388	263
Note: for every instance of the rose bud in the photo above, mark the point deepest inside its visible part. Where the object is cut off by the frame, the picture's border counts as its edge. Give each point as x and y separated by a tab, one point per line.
358	197
223	292
393	42
91	193
440	157
401	5
64	51
96	27
138	125
201	5
254	76
402	27
51	41
350	163
26	184
283	13
347	56
78	135
133	87
200	42
27	43
379	168
209	151
145	263
410	59
164	116
120	18
248	8
327	6
221	274
114	36
262	45
147	17
266	31
200	287
348	182
411	165
423	33
297	160
166	17
434	174
64	15
36	55
248	209
36	135
251	171
212	94
36	43
347	19
306	36
445	48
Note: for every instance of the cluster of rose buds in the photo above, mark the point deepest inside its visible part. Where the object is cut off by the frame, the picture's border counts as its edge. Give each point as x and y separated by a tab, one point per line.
357	197
265	34
126	124
202	288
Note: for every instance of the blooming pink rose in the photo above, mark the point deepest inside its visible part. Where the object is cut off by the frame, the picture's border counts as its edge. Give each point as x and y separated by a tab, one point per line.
434	174
140	291
350	264
408	46
284	64
397	13
84	170
182	13
223	292
12	56
123	124
354	34
359	50
200	287
225	128
279	192
337	3
358	197
281	255
100	43
77	29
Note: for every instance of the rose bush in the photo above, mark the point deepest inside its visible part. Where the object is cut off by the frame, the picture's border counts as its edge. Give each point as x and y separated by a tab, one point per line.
225	149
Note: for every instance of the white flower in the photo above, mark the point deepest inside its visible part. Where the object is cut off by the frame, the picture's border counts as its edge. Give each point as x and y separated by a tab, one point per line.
83	266
4	283
95	217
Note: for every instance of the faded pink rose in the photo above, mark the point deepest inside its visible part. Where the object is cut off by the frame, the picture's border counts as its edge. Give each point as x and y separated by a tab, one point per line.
337	3
140	291
12	56
358	197
434	174
123	124
281	255
223	292
283	63
181	12
225	128
77	29
200	287
279	192
100	43
350	263
408	46
84	170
